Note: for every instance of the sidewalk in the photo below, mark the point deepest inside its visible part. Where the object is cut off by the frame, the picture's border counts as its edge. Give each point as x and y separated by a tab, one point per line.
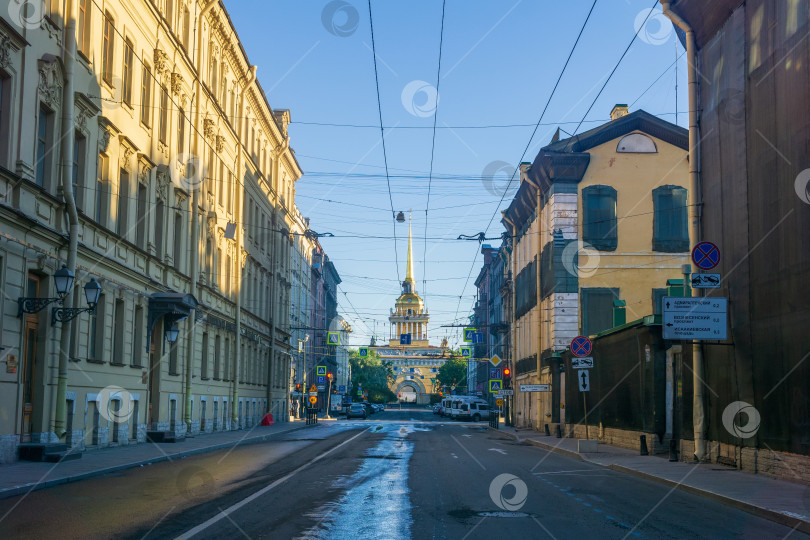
24	476
781	501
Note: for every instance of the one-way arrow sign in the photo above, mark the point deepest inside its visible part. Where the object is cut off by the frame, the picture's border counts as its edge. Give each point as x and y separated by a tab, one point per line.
584	380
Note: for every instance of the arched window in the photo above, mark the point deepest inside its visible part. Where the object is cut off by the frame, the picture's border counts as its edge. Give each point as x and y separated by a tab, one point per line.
636	143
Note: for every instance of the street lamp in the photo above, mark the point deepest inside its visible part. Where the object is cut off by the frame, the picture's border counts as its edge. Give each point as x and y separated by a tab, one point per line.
171	333
401	217
92	292
63	281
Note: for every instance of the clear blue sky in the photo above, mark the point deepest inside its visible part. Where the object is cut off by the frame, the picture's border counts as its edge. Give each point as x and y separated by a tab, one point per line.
500	60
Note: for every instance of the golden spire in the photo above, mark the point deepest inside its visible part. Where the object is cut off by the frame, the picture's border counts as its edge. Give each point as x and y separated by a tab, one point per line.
409	270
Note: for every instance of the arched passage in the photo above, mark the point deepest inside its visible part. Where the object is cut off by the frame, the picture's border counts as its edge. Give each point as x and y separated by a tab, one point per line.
412	391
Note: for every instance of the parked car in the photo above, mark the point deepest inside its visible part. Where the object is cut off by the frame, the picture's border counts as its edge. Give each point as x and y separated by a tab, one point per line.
356	410
437	408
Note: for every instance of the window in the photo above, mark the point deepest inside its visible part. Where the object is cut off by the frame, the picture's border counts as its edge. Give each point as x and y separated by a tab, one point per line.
126	92
225	358
101	191
163	128
137	337
216	357
213	74
173	354
221	180
597	309
170	12
95	338
204	357
159	228
186	27
44	138
181	133
140	226
118	336
83	28
146	96
108	39
122	218
79	147
178	241
227	286
230	191
670	227
5	119
599	217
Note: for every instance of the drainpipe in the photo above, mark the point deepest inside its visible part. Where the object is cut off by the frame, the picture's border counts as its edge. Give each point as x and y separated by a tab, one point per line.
695	232
275	312
67	136
195	220
237	358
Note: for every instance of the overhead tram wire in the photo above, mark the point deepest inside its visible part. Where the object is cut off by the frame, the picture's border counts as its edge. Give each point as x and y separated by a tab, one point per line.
382	133
655	3
432	154
528	144
658	79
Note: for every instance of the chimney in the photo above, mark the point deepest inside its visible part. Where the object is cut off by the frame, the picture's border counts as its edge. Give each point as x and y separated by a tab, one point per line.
619	110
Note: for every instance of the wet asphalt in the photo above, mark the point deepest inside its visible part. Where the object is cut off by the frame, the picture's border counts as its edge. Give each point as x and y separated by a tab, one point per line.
399	474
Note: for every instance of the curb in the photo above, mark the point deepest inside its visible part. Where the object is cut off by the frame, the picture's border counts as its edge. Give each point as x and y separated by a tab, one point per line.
20	490
771	515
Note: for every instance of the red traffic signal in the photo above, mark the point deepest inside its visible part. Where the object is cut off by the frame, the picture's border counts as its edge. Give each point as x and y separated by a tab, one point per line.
329	375
298	387
507	372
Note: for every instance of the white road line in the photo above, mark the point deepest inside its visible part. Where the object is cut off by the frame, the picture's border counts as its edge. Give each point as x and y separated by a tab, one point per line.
497	450
231	509
566	472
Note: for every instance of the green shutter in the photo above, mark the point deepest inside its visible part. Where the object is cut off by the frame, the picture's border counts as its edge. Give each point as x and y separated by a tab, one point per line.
599	224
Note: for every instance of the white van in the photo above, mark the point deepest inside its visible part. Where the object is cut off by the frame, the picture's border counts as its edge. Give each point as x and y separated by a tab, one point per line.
460	406
475	409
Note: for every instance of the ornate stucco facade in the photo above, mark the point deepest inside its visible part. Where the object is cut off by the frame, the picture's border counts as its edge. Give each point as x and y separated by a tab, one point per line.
183	180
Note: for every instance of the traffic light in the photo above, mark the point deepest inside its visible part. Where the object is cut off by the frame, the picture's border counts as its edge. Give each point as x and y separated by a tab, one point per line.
329	375
507	377
298	387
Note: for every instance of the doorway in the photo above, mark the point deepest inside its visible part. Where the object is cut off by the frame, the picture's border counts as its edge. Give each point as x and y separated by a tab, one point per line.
153	378
29	362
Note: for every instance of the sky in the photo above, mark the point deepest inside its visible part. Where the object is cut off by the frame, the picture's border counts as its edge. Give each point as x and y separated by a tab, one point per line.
500	61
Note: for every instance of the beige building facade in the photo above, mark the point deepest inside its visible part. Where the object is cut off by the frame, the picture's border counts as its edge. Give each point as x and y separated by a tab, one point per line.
183	181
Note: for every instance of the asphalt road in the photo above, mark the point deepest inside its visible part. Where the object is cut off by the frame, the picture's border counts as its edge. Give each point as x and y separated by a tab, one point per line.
399	474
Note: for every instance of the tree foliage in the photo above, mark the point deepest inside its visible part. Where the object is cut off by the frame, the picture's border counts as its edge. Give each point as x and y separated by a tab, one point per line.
373	375
453	373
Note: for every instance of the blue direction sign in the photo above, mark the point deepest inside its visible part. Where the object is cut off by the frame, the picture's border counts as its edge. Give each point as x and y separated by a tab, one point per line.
321	380
495	373
581	346
321	371
468	334
363	352
495	386
342	389
404	339
466	352
706	255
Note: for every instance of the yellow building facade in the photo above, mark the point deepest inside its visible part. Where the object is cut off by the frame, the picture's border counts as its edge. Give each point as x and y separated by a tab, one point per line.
598	226
183	182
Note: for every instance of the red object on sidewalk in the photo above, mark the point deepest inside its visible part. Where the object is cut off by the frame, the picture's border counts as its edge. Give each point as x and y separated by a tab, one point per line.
267	420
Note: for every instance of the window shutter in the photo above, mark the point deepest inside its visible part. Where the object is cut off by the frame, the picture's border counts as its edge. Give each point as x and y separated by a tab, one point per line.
670	222
599	224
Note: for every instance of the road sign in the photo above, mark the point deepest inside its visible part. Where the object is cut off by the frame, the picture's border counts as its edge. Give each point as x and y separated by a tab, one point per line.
507	392
584	380
581	346
695	318
314	393
535	388
495	373
582	363
404	339
363	352
468	334
495	386
705	281
313	389
499	402
478	337
333	338
321	370
342	389
495	360
320	380
706	255
300	345
466	352
313	400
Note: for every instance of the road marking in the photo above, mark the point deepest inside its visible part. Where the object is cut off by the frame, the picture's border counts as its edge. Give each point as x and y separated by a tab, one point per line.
469	454
566	472
466	435
497	450
251	498
454	456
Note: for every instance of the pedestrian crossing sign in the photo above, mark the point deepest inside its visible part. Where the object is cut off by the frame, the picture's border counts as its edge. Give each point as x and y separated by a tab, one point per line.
333	338
469	334
363	352
495	386
321	371
466	352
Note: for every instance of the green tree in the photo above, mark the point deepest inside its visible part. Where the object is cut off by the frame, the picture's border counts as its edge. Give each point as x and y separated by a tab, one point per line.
373	374
453	373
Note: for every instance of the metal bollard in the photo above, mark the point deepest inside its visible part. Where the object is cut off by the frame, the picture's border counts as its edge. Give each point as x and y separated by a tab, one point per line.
644	451
559	432
673	450
548	433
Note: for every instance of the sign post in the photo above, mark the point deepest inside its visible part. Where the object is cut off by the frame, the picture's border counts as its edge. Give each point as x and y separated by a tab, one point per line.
584	386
